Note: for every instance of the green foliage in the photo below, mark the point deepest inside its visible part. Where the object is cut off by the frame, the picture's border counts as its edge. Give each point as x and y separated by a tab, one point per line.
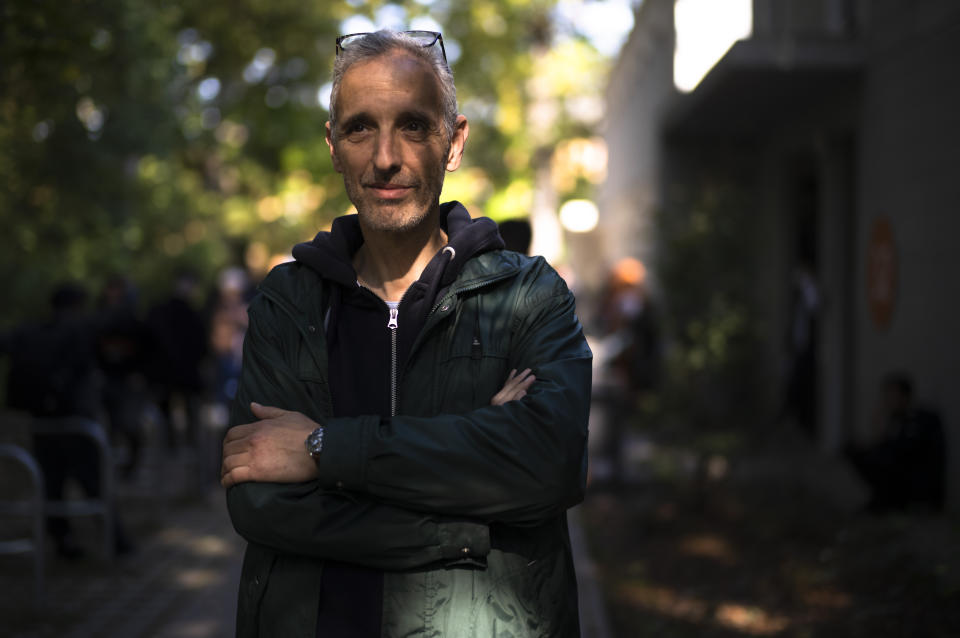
705	273
140	136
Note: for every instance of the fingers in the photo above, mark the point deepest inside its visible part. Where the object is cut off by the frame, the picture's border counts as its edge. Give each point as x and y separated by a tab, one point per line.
266	411
232	447
238	432
244	430
235	455
233	461
525	379
515	387
237	475
520	381
235	468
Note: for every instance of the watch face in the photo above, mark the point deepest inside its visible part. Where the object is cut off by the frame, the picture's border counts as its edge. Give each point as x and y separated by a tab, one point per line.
314	442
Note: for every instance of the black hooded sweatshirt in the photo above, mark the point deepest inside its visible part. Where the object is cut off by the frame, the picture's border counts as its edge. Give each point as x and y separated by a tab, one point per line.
360	348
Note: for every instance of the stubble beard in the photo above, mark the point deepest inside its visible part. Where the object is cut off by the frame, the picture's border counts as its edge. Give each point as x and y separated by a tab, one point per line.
398	217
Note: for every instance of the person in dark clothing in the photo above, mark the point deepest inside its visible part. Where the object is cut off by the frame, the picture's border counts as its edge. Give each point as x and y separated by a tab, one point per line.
906	466
122	345
53	367
517	235
630	328
227	314
800	395
53	374
178	340
52	363
391	470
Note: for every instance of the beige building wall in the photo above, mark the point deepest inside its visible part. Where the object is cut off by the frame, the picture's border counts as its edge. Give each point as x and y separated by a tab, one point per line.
641	84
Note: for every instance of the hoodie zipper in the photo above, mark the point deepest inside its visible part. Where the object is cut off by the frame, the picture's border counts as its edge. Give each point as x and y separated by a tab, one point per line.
392	325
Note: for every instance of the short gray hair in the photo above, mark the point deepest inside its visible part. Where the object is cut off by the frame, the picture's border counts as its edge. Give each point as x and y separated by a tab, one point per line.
380	43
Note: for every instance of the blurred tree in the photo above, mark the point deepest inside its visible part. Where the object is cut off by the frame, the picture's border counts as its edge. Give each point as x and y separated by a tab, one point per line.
708	310
142	136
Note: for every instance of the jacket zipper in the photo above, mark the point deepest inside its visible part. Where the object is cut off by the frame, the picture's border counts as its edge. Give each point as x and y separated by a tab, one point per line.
392	325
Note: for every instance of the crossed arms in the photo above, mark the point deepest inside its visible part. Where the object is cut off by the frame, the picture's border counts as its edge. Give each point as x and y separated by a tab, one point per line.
271	450
414	490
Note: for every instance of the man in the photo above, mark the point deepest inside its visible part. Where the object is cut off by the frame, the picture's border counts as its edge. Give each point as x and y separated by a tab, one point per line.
905	467
393	475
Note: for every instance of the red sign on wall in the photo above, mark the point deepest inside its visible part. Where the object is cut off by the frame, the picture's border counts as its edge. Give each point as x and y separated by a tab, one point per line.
882	273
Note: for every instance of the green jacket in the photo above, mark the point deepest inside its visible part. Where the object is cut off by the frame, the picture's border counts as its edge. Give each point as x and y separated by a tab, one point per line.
462	504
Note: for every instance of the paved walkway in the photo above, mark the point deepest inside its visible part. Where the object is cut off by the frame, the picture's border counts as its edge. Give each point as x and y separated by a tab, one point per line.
181	581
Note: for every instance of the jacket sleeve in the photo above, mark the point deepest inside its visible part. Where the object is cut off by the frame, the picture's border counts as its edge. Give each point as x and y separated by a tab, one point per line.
304	518
519	463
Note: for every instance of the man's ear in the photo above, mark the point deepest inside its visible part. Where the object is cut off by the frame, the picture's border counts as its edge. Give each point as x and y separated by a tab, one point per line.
460	132
333	152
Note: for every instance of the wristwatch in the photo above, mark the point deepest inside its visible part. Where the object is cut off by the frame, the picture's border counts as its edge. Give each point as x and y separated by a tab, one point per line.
314	443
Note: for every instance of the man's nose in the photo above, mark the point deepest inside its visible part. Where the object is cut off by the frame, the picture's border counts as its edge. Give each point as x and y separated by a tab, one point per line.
387	153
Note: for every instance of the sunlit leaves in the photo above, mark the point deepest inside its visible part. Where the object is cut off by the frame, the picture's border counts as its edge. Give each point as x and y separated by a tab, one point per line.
141	135
513	201
469	186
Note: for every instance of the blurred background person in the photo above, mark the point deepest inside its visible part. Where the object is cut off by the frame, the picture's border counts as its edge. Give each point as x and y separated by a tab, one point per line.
228	325
516	234
122	345
800	392
630	337
54	374
904	465
179	348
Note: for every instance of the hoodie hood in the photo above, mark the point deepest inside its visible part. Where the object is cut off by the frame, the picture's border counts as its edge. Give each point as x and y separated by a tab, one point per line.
331	252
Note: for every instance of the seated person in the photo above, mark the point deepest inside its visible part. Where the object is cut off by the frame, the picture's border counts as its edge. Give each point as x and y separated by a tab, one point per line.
906	466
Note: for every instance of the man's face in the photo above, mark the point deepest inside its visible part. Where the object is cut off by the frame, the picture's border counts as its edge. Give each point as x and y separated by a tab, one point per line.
391	144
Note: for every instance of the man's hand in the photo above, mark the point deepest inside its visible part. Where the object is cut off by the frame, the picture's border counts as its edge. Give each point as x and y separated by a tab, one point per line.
270	450
515	387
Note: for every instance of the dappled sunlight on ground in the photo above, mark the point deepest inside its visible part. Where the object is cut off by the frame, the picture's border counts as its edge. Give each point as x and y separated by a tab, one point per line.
199	578
199	629
669	602
181	582
689	558
710	546
749	619
208	545
664	600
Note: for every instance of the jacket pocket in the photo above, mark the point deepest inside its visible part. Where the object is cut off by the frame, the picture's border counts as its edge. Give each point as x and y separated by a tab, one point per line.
472	369
314	382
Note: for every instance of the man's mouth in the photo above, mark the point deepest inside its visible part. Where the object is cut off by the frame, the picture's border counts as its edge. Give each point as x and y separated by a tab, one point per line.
389	191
